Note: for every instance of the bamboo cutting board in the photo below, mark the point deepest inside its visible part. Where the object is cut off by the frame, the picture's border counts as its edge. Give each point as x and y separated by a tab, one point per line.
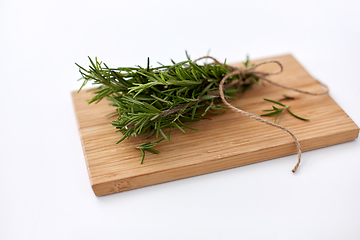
224	141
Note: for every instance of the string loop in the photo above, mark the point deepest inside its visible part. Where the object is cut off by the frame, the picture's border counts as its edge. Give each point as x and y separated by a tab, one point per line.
261	75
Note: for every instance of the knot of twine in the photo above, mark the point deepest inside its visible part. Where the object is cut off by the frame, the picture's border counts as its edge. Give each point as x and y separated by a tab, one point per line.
251	71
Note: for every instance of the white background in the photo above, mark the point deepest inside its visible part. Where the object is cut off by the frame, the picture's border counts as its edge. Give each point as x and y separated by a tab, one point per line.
44	187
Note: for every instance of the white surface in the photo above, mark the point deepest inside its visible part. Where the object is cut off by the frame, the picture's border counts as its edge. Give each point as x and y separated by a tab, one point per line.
44	187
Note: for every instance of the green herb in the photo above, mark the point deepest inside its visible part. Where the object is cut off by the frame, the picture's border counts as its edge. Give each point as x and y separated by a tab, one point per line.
148	147
155	100
286	97
276	111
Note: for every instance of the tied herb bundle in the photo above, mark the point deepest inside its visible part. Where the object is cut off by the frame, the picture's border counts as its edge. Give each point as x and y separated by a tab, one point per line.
155	100
148	100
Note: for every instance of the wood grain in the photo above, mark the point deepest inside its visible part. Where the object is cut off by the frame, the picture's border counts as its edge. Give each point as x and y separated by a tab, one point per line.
224	141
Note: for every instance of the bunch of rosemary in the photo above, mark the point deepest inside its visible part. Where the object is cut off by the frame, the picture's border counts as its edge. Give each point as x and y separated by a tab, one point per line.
153	100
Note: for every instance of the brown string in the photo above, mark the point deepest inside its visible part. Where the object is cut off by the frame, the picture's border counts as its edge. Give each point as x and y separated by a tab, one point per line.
261	75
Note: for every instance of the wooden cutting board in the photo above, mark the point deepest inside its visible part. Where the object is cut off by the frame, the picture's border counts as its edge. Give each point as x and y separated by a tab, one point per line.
224	141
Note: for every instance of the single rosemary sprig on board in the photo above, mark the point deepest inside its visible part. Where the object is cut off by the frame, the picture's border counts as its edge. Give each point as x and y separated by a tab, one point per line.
276	111
155	100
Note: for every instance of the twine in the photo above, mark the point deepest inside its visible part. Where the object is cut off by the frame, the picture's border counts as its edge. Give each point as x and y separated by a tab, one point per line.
261	75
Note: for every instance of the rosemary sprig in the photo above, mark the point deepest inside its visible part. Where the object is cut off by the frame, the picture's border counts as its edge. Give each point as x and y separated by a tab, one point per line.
276	111
155	100
148	147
